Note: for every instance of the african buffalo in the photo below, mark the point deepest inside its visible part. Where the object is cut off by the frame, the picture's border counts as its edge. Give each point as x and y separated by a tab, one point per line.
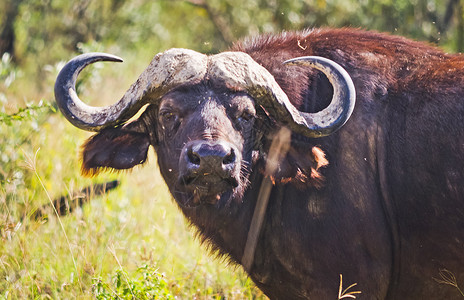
379	200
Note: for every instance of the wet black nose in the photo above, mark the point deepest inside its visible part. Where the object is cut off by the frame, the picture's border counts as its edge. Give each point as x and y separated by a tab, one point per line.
208	156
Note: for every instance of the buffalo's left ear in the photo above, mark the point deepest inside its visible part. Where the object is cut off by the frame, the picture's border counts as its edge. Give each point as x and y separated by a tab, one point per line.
114	148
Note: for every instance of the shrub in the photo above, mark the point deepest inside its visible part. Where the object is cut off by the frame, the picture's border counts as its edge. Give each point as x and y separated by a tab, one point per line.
147	284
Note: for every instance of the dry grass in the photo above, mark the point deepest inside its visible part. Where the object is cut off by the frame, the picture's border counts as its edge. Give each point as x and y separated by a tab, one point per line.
447	277
344	293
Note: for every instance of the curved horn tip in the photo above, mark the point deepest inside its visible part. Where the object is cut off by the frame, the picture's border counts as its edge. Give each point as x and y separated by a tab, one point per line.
76	64
340	108
78	113
97	56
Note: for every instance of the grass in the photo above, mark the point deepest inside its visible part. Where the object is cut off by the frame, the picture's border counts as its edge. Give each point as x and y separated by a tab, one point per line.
123	245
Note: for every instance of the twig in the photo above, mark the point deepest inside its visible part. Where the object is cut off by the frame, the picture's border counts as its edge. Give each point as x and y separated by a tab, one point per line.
345	294
277	151
447	277
65	204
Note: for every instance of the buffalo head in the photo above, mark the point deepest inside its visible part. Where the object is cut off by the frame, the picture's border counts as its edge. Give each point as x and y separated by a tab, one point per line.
204	116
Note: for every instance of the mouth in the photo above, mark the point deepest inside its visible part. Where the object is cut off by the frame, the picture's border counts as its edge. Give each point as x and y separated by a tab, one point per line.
207	181
206	188
199	198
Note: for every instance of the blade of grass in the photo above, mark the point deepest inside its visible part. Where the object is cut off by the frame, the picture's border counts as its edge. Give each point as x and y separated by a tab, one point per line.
113	252
31	164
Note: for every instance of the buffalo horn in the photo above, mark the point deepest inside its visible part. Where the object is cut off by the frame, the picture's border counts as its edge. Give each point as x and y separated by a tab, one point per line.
167	70
238	71
340	108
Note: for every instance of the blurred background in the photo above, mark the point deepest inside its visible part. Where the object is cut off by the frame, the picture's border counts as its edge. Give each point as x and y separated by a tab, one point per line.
133	241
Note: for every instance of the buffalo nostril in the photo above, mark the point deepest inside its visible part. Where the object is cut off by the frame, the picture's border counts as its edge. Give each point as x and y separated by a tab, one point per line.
193	157
229	158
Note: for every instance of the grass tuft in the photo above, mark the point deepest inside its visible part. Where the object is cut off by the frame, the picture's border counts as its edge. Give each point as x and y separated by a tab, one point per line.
31	164
145	283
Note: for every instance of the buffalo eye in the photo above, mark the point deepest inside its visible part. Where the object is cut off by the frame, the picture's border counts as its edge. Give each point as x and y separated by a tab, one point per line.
244	119
246	116
169	121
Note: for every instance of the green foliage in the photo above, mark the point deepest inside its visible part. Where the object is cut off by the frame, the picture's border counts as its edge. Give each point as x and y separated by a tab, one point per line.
49	31
17	134
25	113
148	284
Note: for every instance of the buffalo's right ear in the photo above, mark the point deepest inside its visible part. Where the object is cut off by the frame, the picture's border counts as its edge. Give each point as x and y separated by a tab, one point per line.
114	148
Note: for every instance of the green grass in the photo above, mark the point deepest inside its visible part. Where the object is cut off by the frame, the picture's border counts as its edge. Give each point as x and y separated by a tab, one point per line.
132	243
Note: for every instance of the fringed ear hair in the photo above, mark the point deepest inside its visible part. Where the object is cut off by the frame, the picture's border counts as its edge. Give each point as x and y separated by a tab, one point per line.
114	149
